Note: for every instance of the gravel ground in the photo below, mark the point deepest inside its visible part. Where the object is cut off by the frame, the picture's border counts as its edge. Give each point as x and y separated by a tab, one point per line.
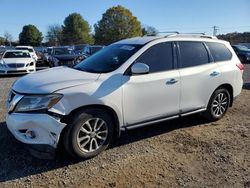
184	152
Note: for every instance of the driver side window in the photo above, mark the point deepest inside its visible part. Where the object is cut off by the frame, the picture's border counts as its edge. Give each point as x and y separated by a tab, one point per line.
158	57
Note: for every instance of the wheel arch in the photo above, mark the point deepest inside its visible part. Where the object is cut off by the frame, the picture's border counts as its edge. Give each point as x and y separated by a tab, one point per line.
108	109
229	88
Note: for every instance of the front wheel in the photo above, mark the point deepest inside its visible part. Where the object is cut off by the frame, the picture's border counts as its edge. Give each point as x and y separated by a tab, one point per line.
218	105
89	133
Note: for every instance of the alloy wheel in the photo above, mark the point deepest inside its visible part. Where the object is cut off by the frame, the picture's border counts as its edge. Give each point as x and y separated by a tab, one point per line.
220	104
92	135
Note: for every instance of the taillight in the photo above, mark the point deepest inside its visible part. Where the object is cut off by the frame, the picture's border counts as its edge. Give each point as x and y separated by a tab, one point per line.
240	66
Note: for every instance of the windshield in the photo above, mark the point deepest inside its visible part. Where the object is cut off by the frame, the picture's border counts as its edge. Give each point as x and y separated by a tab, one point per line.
49	51
29	49
80	47
108	59
62	51
16	55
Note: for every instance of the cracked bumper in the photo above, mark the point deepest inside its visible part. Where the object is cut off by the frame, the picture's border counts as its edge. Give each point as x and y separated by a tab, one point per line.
45	129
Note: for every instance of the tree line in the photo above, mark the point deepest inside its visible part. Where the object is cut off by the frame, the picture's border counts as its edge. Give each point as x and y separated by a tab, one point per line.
235	38
116	23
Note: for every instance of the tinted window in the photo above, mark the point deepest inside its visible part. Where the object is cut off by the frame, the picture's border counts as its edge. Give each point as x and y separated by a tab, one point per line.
62	51
219	51
159	57
193	54
29	49
16	54
108	59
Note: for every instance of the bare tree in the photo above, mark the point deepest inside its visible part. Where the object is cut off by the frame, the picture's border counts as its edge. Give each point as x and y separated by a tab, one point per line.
54	35
8	38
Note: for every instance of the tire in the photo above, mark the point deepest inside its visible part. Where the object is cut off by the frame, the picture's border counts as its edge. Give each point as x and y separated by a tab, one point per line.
88	134
218	105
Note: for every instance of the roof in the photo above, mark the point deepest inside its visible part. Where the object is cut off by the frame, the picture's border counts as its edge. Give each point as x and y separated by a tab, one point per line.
24	47
138	40
145	39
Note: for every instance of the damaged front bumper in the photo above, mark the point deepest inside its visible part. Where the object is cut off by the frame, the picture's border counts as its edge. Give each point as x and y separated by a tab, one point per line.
41	131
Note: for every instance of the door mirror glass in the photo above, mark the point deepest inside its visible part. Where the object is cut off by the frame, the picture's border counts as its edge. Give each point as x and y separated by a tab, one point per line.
140	68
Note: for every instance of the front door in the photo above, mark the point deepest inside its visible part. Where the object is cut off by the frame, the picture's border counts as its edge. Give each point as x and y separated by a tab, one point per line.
154	95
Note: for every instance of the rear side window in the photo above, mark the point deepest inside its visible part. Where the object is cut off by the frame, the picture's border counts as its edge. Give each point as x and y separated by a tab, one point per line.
158	57
219	51
193	54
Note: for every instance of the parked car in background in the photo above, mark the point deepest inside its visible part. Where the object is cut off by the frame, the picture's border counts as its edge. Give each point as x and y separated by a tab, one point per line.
242	52
95	48
17	61
2	50
30	49
46	54
245	44
63	56
87	50
129	84
81	49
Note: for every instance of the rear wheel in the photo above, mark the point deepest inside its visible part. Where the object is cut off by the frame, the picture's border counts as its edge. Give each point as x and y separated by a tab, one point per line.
218	105
89	133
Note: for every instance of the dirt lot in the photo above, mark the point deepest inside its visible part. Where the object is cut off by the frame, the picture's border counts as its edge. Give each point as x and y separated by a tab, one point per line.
185	152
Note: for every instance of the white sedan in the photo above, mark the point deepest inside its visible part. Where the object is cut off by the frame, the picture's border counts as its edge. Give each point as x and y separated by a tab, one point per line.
17	62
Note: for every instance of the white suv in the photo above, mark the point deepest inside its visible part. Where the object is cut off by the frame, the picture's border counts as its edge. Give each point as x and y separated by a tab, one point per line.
129	84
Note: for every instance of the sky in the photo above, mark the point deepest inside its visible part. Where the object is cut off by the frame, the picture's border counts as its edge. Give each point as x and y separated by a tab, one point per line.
164	15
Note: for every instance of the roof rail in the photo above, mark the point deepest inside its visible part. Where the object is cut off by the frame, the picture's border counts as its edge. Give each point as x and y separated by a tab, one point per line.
202	33
154	34
199	35
176	33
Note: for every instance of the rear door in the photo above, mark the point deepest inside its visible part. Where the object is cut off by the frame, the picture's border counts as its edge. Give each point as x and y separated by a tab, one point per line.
200	76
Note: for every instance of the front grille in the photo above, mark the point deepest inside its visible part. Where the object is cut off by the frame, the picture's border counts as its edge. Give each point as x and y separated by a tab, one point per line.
15	65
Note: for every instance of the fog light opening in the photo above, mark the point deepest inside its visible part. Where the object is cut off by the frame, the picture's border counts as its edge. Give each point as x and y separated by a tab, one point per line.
30	134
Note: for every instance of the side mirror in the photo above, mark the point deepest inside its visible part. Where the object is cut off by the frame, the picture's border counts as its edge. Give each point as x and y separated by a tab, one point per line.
140	68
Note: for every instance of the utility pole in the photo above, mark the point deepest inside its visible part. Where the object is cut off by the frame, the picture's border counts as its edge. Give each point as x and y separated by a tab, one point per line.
215	29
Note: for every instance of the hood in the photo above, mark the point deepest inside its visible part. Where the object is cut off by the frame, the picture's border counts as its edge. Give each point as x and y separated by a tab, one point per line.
66	57
17	60
51	80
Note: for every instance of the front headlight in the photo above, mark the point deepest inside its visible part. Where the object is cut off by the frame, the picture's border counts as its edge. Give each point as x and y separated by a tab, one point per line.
31	103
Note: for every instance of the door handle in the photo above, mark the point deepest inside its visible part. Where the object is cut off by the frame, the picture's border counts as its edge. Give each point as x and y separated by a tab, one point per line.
171	81
215	73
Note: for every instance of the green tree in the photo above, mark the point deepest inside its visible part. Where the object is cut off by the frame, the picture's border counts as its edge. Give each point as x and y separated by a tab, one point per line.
117	23
149	30
76	30
30	35
54	35
235	37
